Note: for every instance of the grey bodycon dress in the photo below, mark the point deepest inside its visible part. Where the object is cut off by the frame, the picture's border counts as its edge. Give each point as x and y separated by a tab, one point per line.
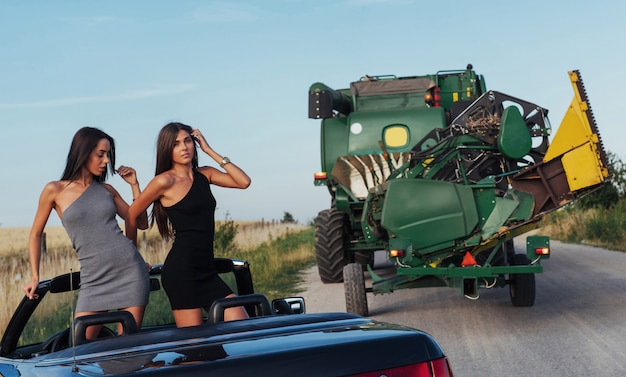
113	275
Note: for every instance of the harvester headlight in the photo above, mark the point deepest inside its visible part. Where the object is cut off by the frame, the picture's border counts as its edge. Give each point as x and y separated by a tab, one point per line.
396	136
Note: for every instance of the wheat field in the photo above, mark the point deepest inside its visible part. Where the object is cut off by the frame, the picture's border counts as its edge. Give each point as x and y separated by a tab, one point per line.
61	257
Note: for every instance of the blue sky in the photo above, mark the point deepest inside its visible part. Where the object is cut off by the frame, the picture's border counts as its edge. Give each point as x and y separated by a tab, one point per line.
240	71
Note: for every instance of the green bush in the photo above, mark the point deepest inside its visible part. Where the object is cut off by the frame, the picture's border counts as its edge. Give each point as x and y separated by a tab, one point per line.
597	226
224	239
607	225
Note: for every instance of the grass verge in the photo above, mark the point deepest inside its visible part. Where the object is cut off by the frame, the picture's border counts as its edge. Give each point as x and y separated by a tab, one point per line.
276	264
599	227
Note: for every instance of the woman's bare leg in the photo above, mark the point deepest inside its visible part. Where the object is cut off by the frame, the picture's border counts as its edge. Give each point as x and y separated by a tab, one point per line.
237	312
187	317
91	332
137	312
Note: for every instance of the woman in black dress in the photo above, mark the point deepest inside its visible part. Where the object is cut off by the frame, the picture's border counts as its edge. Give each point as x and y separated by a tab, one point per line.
184	209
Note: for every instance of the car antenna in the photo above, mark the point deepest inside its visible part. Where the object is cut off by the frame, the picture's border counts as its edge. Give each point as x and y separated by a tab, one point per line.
71	339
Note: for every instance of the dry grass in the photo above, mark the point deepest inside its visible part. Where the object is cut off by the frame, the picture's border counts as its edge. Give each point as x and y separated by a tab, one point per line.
253	233
15	240
15	273
61	258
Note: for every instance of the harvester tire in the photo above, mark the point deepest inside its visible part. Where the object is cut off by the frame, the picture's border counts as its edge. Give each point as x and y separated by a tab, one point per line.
329	245
354	287
522	286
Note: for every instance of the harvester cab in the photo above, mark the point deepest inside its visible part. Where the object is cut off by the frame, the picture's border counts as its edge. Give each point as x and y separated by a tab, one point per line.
442	174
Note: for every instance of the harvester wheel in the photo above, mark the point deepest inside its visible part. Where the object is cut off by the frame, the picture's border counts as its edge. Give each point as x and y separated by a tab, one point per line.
522	286
329	245
354	286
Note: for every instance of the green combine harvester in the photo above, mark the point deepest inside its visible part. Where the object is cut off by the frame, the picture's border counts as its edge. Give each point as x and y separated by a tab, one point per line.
442	174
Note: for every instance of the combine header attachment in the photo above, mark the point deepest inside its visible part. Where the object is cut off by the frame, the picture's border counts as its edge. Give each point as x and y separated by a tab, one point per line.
443	174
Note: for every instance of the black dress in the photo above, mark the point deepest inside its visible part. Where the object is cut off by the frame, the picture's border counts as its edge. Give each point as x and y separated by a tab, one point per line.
189	275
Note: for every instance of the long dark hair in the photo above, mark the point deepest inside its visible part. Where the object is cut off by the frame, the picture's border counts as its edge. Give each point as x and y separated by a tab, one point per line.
83	143
164	162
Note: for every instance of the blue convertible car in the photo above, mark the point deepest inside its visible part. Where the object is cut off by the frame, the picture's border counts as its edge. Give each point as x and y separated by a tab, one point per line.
279	339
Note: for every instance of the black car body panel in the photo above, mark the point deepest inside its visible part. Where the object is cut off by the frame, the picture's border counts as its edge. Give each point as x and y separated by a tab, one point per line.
324	344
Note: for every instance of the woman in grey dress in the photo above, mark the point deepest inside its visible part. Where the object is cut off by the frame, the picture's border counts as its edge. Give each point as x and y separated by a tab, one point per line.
113	273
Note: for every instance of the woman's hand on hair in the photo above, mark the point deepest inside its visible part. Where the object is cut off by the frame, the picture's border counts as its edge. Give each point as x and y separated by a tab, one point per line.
128	174
199	138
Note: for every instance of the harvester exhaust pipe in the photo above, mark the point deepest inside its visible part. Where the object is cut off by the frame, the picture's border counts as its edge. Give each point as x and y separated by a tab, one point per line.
323	100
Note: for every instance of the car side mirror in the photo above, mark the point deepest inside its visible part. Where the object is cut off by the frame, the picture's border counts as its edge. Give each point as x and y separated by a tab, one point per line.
289	305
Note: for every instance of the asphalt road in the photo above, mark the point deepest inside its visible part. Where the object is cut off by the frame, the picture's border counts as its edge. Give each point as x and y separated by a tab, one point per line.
577	326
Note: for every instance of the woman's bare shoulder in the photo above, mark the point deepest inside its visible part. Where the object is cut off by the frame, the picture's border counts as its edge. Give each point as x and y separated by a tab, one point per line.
165	179
54	187
52	190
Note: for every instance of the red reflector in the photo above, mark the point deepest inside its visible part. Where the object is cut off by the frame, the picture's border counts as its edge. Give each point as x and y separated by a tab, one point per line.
435	368
542	251
319	175
468	260
396	253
